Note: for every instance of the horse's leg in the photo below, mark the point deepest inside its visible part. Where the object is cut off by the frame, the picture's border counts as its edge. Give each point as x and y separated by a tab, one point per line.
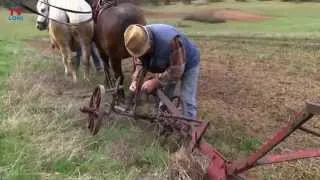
62	37
64	54
116	66
86	50
84	34
52	43
71	64
108	79
99	42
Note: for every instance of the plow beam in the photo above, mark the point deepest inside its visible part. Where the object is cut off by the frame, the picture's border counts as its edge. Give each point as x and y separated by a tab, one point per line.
221	169
272	159
281	135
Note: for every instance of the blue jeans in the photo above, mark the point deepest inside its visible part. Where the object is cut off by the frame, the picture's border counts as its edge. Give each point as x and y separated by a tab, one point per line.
95	58
188	91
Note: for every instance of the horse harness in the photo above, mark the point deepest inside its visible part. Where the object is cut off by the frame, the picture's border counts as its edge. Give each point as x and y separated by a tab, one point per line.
63	9
101	5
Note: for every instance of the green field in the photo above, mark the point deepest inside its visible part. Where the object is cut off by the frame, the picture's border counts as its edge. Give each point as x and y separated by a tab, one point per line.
289	19
260	71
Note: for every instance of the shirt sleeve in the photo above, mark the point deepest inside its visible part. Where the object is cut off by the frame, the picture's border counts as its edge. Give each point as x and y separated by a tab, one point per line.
177	63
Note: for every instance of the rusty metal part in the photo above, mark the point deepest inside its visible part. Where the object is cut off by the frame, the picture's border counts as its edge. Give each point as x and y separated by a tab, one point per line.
95	110
170	106
197	136
271	159
220	168
217	166
176	123
172	121
294	123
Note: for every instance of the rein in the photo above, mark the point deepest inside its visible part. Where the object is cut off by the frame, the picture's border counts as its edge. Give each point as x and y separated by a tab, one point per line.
65	23
69	10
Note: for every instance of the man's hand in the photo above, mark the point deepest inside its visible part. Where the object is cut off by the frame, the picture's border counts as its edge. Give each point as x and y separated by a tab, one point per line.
150	85
133	86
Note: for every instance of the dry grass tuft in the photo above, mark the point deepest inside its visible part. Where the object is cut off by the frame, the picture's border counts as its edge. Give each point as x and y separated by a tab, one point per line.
186	166
32	99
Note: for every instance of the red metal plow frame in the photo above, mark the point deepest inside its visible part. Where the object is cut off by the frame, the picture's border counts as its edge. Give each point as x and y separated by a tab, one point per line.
221	169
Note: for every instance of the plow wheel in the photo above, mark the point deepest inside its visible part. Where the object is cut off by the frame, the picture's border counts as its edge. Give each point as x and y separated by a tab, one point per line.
96	106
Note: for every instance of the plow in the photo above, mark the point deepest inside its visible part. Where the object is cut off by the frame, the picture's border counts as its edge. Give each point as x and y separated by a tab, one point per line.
168	119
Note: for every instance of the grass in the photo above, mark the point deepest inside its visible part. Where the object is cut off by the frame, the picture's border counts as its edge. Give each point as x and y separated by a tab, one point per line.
11	48
257	80
42	137
289	20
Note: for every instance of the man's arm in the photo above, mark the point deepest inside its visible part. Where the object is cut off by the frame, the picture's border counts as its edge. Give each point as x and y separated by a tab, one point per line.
177	63
138	67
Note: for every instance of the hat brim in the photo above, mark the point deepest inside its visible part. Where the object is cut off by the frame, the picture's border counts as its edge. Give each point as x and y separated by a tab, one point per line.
142	50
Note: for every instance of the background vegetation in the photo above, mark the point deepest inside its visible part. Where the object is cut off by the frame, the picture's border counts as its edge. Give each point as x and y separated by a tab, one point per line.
259	72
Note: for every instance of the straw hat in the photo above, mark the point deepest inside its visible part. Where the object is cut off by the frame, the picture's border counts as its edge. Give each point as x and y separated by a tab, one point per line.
136	39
